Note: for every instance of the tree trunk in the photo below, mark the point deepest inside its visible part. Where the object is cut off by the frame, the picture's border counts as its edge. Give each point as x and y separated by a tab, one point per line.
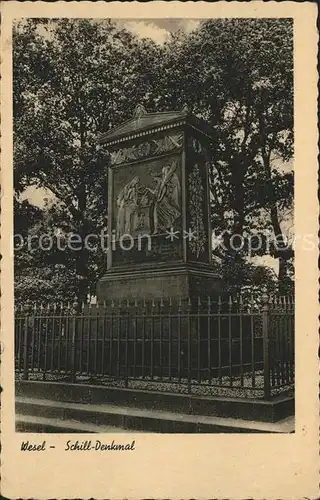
283	264
282	252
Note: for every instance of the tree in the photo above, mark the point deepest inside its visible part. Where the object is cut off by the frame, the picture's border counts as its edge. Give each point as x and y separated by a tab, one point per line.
39	274
73	80
76	78
238	75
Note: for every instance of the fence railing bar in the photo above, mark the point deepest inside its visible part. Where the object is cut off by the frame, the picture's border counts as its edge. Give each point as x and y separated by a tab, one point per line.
39	340
253	368
119	322
152	341
266	347
219	340
282	352
33	341
88	343
18	345
127	323
230	340
179	343
59	338
291	339
199	342
135	330
81	370
241	339
105	322
160	336
170	340
73	344
53	338
273	351
189	349
292	347
272	344
143	339
95	353
46	345
209	338
284	327
25	350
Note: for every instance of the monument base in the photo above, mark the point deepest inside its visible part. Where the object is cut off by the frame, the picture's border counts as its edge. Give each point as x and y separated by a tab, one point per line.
175	281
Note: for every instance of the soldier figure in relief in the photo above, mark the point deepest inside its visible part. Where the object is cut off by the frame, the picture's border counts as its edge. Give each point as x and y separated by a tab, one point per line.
127	202
166	204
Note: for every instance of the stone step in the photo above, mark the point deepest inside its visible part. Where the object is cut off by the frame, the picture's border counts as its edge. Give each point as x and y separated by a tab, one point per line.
241	408
29	423
105	416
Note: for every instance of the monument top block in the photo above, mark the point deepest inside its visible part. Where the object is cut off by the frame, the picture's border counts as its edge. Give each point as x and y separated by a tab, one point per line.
143	123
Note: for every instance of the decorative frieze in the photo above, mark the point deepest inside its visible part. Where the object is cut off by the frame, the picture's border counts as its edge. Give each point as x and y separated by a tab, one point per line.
153	147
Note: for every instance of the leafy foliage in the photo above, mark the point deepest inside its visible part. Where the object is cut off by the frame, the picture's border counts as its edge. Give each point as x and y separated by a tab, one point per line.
76	78
71	81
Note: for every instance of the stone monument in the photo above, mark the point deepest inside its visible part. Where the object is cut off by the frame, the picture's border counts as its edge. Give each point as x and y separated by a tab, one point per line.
159	229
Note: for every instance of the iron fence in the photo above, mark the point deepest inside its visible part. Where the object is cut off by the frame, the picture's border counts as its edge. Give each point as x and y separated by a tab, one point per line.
199	345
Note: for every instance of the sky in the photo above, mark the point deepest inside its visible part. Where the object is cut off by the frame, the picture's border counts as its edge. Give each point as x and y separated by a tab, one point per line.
159	29
156	29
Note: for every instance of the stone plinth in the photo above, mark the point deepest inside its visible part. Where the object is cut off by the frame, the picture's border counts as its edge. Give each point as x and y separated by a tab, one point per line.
159	211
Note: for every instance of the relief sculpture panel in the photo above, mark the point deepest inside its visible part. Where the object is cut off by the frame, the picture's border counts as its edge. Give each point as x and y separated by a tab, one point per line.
149	202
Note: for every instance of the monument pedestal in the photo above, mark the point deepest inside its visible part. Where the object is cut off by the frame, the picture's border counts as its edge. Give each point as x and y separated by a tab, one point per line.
159	209
175	281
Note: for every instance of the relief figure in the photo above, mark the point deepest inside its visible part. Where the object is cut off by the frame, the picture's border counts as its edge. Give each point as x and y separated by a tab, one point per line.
165	208
127	202
149	209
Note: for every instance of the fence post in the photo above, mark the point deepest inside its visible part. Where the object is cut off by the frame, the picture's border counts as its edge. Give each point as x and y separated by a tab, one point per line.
73	342
25	350
265	333
189	358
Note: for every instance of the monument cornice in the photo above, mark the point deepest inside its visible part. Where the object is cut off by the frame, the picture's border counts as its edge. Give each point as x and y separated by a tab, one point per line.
144	124
143	133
